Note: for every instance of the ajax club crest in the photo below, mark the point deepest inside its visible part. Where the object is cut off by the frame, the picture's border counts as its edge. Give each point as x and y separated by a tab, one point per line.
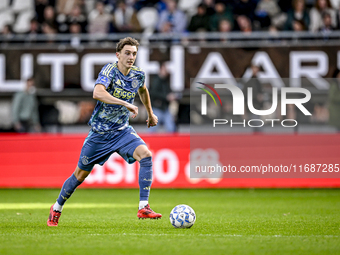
84	160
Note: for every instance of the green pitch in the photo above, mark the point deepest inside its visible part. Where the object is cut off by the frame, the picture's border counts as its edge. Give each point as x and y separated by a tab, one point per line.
228	222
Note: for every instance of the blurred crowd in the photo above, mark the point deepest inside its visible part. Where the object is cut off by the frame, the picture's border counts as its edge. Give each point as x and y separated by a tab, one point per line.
166	16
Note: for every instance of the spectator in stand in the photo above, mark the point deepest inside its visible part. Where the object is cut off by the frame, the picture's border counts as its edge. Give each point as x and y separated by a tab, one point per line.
161	5
210	7
110	5
327	26
99	20
161	97
50	17
76	16
172	19
337	15
125	19
7	30
299	25
222	13
34	30
49	31
25	109
297	13
200	21
327	23
244	24
40	6
269	7
266	11
285	5
34	27
8	34
315	14
75	30
245	8
224	26
66	7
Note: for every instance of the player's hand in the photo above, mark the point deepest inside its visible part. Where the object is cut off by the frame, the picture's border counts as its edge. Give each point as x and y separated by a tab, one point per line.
152	120
133	109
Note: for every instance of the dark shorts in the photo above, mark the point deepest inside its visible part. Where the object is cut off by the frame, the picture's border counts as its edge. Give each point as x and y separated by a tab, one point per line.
98	147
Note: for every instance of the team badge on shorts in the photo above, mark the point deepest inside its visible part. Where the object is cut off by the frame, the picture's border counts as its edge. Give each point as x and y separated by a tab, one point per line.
85	160
134	83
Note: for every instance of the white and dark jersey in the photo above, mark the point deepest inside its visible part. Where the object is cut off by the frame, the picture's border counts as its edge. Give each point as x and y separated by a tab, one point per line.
110	117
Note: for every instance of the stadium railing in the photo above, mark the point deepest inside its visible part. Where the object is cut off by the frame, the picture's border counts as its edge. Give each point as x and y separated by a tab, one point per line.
232	38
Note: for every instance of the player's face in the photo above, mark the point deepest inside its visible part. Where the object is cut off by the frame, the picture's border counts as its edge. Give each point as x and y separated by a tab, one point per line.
127	56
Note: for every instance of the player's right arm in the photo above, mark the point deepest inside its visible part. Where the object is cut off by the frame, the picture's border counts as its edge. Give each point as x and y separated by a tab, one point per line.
100	93
103	81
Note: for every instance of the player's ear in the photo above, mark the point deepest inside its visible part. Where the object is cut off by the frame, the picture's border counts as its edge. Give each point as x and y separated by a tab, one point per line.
117	54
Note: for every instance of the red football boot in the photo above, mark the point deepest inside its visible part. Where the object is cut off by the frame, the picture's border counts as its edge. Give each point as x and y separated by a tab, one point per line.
148	213
53	218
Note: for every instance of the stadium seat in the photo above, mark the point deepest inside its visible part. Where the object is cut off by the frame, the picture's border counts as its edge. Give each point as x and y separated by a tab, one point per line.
22	23
22	5
6	18
148	17
4	5
188	6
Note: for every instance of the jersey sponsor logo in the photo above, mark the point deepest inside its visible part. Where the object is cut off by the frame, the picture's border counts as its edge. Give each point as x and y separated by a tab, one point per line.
134	83
121	93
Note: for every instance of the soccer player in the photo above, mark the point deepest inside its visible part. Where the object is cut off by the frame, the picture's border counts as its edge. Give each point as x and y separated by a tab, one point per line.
115	90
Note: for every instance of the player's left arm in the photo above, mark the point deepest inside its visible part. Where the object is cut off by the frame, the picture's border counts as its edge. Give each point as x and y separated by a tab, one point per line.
145	98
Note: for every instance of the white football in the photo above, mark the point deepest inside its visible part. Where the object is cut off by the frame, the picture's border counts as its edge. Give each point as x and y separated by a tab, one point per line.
182	216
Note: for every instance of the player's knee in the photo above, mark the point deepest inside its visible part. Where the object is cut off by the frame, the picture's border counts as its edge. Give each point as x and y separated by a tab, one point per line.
146	163
81	174
146	154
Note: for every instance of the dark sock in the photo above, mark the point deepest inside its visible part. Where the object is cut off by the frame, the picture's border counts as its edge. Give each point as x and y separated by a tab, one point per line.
145	178
68	188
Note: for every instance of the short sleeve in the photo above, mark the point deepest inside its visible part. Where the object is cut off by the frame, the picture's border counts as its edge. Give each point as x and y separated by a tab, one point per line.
142	79
105	76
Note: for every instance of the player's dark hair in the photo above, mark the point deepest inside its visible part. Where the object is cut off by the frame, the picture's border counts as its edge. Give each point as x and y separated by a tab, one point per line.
30	79
126	41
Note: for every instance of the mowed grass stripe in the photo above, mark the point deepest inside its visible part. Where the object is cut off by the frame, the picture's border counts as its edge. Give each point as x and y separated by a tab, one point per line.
245	221
188	235
9	206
